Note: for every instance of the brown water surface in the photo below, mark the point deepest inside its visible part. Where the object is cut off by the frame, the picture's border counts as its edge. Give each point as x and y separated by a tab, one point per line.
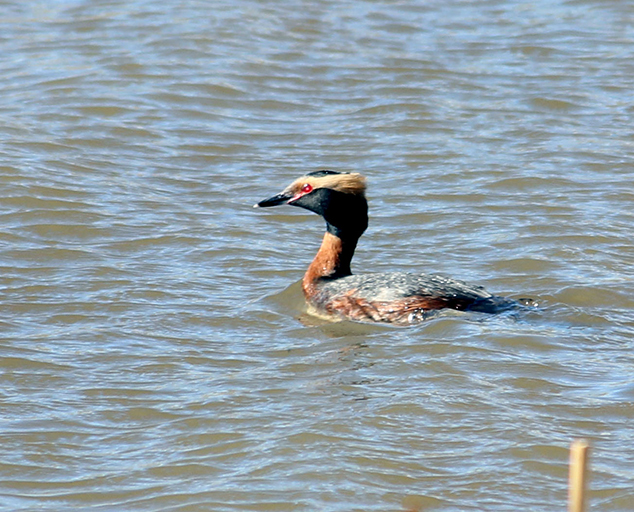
154	348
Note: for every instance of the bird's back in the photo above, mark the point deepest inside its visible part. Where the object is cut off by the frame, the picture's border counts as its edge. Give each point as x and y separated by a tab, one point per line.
400	297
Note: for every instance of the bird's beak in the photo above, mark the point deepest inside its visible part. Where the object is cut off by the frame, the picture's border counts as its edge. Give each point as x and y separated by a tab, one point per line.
275	200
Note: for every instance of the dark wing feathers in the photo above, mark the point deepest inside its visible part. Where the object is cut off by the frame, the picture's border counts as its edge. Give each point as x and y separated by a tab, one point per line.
399	285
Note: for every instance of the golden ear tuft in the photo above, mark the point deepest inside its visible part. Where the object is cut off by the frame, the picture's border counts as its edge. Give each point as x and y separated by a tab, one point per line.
347	183
353	183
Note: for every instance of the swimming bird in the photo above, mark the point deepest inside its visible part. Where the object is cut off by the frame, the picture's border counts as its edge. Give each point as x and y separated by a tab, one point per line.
330	287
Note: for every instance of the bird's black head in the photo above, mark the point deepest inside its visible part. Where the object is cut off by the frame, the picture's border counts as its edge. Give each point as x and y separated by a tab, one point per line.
338	197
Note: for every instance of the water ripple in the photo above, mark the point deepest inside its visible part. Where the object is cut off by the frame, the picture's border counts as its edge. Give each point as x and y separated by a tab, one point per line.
156	353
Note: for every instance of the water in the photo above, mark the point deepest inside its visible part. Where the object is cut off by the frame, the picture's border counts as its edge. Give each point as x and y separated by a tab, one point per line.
155	352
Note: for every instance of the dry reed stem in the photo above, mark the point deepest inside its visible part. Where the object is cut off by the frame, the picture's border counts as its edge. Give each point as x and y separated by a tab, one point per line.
577	476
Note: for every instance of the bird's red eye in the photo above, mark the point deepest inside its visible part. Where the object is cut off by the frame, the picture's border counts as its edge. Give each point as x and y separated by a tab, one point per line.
306	188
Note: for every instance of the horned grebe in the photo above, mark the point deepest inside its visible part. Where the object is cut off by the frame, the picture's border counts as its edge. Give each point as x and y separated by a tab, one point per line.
396	297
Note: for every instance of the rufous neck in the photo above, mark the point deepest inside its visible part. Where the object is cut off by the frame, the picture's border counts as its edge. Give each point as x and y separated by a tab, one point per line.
332	260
